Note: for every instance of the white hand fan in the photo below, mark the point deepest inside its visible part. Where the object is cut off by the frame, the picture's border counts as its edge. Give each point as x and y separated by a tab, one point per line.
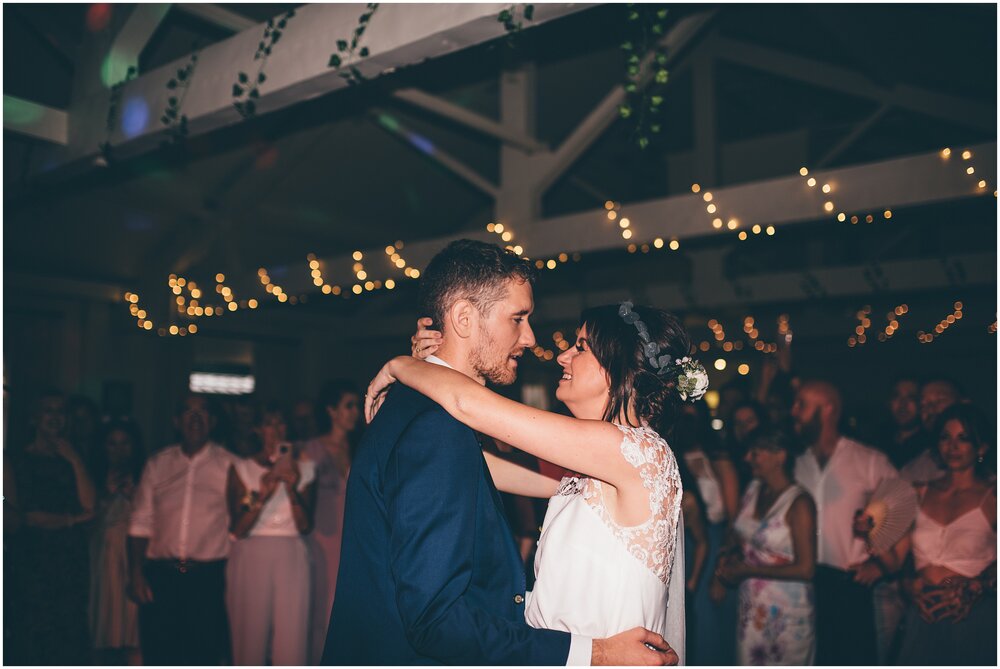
893	508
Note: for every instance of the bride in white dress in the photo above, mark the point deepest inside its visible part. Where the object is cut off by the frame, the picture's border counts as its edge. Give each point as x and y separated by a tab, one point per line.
611	555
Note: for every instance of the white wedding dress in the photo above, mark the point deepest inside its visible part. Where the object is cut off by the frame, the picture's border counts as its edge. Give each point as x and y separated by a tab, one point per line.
596	578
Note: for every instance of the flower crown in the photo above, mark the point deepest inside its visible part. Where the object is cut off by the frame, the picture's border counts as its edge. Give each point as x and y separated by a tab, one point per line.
691	377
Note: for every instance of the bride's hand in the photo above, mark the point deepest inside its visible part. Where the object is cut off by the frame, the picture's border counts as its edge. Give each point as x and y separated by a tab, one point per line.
377	390
425	342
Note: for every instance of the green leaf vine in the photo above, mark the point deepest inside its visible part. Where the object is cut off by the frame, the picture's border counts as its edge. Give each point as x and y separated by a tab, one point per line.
645	27
111	120
246	89
346	49
512	23
177	128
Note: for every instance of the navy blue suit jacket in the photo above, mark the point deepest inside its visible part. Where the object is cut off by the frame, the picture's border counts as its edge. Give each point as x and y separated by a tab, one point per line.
429	572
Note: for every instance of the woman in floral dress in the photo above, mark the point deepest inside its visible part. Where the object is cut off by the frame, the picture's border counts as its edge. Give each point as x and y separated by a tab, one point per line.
776	528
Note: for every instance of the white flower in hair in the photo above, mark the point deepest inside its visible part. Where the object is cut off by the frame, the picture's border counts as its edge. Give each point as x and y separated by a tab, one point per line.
692	380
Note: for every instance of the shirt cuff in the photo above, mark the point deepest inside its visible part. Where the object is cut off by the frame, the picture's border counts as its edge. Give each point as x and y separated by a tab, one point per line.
580	649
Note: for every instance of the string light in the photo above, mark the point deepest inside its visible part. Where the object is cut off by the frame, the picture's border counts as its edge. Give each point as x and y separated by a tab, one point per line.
860	330
893	322
942	326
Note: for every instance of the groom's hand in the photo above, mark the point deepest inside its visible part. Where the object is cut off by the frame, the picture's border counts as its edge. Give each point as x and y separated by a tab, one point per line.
633	648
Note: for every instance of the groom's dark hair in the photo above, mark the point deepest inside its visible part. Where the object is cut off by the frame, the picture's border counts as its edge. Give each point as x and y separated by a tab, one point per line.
469	270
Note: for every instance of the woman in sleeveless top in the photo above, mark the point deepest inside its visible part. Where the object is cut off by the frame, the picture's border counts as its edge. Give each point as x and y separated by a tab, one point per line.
776	527
338	410
271	500
952	616
610	557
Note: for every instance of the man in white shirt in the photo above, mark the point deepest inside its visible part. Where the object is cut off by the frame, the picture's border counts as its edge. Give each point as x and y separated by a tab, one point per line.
178	544
840	474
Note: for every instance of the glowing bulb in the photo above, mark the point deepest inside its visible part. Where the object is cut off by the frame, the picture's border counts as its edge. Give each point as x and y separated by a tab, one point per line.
695	188
612	215
887	213
506	236
966	154
390	284
563	257
811	182
551	264
732	224
624	223
220	277
707	197
674	245
970	170
770	231
626	234
946	153
415	273
743	235
717	223
658	243
804	172
498	228
710	208
743	369
491	227
609	205
756	229
828	206
720	364
826	188
982	183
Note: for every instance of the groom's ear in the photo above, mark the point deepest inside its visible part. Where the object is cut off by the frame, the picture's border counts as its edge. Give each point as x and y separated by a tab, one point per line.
462	318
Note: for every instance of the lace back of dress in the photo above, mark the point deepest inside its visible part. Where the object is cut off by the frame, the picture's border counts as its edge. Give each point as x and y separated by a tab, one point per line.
654	541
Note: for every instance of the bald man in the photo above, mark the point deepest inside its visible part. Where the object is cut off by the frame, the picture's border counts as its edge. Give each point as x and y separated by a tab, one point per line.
936	395
840	474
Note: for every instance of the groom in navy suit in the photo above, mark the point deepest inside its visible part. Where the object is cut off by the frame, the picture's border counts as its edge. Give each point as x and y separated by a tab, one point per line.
429	571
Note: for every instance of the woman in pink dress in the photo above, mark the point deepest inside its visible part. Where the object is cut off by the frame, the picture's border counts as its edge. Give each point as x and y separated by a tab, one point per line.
337	415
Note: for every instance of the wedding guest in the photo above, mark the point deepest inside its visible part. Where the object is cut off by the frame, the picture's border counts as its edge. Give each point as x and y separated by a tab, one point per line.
303	422
840	474
113	617
936	395
48	490
747	418
271	501
952	618
83	422
774	565
338	410
904	438
178	544
696	549
713	638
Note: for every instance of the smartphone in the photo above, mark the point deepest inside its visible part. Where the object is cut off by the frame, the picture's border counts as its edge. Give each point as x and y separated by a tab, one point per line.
283	459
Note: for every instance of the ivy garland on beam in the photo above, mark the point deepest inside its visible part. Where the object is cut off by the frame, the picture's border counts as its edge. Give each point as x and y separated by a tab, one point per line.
245	90
114	101
347	49
177	128
643	103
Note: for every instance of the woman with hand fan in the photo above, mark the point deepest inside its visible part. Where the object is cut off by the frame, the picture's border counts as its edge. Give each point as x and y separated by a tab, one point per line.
953	614
776	527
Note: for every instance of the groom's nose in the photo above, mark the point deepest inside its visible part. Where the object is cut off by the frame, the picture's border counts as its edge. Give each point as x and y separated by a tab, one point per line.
527	339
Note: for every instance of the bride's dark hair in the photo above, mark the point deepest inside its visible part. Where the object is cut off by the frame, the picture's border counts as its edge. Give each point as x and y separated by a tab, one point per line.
619	351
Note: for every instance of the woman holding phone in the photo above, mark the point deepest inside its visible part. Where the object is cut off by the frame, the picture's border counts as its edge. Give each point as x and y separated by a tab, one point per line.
271	503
